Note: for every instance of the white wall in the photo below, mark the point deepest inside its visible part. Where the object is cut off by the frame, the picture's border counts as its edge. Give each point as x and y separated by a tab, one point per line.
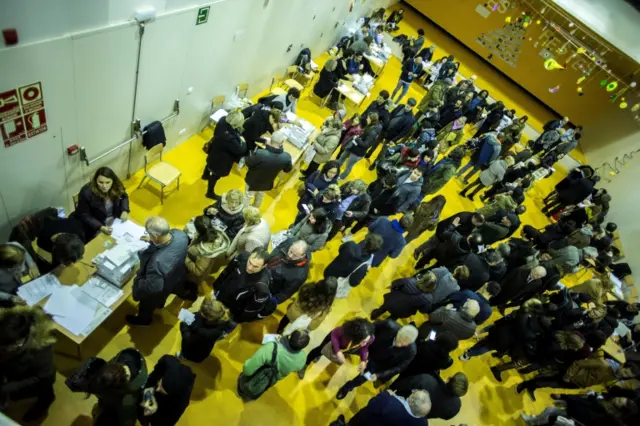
84	54
614	20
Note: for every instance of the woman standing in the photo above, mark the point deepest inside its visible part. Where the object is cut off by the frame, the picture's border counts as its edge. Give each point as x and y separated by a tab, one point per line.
357	147
314	229
224	151
451	134
317	182
314	300
426	217
118	385
210	324
203	251
100	202
324	144
327	81
265	120
512	134
255	233
351	338
475	107
229	211
354	206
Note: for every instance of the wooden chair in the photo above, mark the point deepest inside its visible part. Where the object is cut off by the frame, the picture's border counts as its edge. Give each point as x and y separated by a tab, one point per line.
216	104
276	81
290	76
162	173
242	87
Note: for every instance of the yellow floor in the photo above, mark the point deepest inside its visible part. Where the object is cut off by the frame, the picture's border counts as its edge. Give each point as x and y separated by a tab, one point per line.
292	402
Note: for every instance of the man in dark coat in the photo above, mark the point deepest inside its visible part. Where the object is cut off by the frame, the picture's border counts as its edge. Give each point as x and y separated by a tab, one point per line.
408	296
162	269
450	248
519	284
170	385
391	352
224	150
445	397
392	233
432	355
401	122
289	268
390	410
352	258
379	106
263	167
240	286
261	119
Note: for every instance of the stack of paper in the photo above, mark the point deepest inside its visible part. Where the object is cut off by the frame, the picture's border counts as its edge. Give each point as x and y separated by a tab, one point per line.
71	308
102	290
36	290
128	233
186	316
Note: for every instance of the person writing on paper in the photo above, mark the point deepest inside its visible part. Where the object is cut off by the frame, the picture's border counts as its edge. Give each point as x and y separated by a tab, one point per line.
27	368
272	362
162	269
100	202
15	263
289	100
167	393
210	324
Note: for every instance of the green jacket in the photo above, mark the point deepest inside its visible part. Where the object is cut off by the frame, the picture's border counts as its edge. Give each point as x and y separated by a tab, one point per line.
425	218
287	361
120	407
435	94
439	178
500	202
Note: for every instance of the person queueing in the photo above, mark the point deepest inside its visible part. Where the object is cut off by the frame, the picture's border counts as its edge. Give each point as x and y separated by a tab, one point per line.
324	145
425	217
401	122
262	120
167	393
354	206
272	362
408	296
225	150
411	69
356	148
100	202
162	269
314	301
393	349
288	266
228	210
351	338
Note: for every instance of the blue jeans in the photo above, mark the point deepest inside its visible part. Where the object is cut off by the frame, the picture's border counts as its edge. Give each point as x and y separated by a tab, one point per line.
470	165
351	160
405	87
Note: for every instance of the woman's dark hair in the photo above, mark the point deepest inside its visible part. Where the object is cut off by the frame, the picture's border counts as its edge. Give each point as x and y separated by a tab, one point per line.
117	188
413	152
439	201
611	227
67	249
390	180
372	243
14	326
206	231
485	92
294	92
333	164
358	329
420	31
373	119
317	297
111	376
320	227
299	339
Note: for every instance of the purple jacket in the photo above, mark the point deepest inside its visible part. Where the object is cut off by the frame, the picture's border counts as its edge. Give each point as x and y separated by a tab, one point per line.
340	342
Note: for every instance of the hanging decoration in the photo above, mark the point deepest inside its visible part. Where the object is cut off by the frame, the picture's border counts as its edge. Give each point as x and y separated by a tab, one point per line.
581	50
554	89
508	19
581	79
552	64
635	108
603	83
580	91
633	84
623	104
612	86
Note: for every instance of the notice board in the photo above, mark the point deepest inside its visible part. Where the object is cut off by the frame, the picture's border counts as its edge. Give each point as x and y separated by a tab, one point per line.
22	114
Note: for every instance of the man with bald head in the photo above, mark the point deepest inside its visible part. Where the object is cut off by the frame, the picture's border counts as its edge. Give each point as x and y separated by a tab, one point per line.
519	285
162	269
289	268
389	408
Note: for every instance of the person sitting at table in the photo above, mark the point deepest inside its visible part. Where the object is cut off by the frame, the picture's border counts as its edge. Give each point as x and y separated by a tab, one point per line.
411	69
224	151
54	226
361	33
264	166
354	65
361	46
328	79
427	53
394	19
324	144
264	120
289	100
27	368
376	33
67	249
15	263
100	202
228	210
162	269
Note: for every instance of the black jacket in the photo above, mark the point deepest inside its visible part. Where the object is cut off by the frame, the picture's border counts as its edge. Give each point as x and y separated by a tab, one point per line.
92	212
233	219
386	360
515	286
400	123
27	373
235	288
199	338
360	205
405	299
444	404
430	359
177	380
225	150
364	141
350	256
409	66
452	248
153	134
381	109
257	125
287	276
465	227
53	226
326	83
264	166
479	272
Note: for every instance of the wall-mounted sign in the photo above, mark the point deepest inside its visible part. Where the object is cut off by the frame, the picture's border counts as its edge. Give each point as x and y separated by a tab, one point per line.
203	15
22	114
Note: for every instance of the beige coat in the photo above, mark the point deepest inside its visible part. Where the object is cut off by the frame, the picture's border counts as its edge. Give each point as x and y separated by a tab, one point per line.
250	237
325	144
201	258
294	311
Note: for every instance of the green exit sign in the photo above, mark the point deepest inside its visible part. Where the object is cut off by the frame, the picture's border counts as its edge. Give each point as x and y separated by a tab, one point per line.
203	15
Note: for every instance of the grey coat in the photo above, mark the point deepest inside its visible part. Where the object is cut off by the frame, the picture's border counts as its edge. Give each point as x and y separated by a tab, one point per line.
305	231
446	284
406	194
325	144
264	165
455	322
162	269
494	174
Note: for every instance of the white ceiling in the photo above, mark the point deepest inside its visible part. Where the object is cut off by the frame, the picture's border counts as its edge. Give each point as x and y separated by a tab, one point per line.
614	20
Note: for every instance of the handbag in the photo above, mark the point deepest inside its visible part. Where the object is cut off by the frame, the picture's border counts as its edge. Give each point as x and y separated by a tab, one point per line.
79	380
343	282
327	352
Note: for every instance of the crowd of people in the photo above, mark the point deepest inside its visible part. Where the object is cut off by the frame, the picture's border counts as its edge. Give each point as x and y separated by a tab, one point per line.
470	265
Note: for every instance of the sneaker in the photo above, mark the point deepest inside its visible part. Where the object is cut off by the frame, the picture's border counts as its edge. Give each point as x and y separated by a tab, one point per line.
347	238
464	357
135	320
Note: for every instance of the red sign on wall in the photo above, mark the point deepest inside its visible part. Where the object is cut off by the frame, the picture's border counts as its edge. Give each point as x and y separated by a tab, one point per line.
22	114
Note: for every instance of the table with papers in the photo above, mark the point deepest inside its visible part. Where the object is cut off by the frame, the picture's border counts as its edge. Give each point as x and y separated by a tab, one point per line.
351	93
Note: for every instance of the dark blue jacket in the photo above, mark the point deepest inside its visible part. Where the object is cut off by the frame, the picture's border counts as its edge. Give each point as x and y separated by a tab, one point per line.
385	410
488	152
393	239
405	299
400	124
459	298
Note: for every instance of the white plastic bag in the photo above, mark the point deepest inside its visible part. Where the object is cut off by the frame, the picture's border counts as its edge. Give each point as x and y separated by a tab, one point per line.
279	237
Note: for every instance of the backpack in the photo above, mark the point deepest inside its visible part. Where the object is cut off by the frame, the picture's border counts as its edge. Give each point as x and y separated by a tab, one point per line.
251	387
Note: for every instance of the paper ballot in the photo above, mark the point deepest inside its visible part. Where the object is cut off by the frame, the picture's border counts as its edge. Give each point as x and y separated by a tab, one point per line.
128	233
36	290
186	317
72	308
102	290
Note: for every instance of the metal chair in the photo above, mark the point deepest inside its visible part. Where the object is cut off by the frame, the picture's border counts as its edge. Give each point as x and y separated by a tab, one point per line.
290	76
162	173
